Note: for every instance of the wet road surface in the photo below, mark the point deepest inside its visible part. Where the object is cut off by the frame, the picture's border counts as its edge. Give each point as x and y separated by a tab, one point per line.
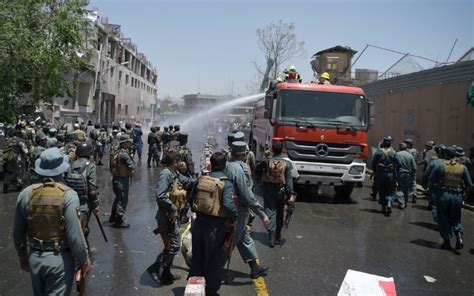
324	240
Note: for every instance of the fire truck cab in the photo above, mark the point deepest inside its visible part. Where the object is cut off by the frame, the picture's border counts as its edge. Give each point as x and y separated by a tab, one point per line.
323	129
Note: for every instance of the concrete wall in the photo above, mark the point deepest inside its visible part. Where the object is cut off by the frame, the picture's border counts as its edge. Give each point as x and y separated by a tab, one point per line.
435	111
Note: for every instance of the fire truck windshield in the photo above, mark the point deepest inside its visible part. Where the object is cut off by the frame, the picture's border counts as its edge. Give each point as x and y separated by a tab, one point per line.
323	107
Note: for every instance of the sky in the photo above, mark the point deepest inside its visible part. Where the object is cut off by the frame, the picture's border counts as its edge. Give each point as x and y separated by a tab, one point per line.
208	46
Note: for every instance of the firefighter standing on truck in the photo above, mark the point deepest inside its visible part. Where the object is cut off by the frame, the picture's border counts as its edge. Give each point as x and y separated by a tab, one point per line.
122	169
277	186
47	233
216	215
171	199
452	179
384	166
82	177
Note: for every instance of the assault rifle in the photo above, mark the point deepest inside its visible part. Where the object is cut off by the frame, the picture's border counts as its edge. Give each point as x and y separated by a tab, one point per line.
290	208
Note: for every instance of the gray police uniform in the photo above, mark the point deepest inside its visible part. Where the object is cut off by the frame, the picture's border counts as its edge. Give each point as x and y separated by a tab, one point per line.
274	197
165	207
51	269
406	174
209	234
120	186
246	199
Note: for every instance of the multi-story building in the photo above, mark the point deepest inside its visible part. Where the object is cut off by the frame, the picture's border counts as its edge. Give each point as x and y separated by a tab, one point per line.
119	83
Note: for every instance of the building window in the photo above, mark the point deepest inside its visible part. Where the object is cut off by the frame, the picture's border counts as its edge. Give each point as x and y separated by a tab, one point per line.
120	75
112	72
133	82
119	108
126	109
126	79
138	110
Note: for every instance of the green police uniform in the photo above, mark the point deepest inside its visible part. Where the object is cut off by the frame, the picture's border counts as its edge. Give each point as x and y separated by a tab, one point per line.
209	233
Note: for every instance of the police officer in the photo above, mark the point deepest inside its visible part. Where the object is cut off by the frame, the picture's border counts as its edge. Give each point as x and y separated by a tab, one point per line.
406	173
82	177
384	166
428	152
47	233
416	155
81	135
235	171
171	198
52	140
211	228
452	178
462	158
186	168
122	169
165	140
114	138
41	142
137	141
432	191
277	186
16	160
152	147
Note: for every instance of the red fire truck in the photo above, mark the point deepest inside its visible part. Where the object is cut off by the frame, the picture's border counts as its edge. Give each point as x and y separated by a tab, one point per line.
323	129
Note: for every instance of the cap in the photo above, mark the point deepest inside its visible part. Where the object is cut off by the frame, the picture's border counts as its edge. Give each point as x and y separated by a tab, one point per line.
239	137
450	151
460	151
238	147
408	141
124	138
51	163
429	143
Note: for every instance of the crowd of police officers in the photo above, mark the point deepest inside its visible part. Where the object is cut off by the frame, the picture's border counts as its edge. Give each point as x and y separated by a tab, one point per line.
55	167
446	177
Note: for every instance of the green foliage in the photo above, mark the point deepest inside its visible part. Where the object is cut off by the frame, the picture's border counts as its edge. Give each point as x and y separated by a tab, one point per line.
41	46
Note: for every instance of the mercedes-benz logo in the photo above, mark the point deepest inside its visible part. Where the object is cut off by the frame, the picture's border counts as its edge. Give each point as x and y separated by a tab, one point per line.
322	149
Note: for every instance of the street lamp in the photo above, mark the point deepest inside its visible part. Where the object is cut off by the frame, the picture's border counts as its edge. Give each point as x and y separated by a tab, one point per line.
99	99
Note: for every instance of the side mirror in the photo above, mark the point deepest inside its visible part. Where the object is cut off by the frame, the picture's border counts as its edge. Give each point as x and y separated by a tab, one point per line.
371	113
269	106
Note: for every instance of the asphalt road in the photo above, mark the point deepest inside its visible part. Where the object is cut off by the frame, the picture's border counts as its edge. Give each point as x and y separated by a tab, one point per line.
324	240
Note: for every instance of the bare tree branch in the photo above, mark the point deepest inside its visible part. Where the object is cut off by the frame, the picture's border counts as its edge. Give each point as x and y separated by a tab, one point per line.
278	42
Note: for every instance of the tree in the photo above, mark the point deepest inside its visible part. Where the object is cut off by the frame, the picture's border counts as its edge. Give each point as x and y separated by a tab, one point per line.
279	45
41	44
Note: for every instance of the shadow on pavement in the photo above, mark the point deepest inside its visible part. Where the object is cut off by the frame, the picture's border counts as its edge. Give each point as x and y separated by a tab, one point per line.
427	244
426	225
261	237
471	251
419	207
373	211
233	274
178	291
147	280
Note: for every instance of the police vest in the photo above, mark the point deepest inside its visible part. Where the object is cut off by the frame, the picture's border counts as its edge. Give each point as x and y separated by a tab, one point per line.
45	215
209	195
117	168
387	160
453	173
177	194
275	172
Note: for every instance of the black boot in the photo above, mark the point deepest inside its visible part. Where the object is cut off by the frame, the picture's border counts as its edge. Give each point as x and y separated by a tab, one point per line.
459	241
257	270
154	271
278	238
446	245
167	278
272	238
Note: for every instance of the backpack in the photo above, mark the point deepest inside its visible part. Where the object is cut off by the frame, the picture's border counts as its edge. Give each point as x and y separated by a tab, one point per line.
77	180
275	172
208	199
